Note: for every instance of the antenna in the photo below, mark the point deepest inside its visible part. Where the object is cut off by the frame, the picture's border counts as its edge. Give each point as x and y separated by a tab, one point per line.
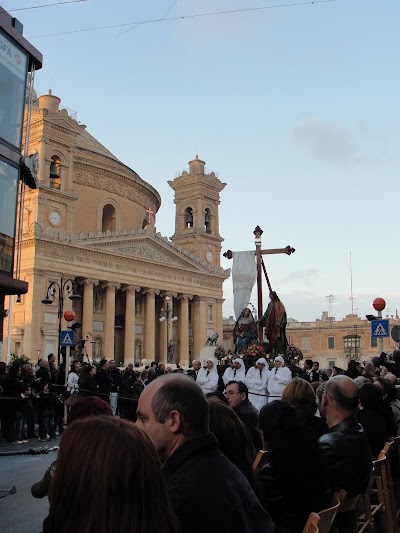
330	298
351	287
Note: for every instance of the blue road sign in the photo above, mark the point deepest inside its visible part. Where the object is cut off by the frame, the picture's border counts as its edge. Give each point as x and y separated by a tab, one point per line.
67	337
380	328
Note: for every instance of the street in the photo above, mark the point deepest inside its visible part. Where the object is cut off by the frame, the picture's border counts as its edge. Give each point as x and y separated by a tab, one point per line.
21	512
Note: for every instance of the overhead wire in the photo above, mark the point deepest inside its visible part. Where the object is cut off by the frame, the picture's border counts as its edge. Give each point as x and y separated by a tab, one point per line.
42	5
137	25
182	17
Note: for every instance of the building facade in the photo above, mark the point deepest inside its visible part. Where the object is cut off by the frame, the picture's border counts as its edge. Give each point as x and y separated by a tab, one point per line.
93	220
18	62
333	342
330	342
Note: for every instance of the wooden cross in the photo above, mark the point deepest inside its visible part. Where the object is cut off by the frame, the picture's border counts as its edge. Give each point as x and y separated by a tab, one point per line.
149	213
260	264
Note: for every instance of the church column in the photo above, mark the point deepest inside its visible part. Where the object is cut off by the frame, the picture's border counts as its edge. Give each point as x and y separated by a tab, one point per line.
219	325
87	312
109	326
43	170
184	329
199	326
149	325
130	323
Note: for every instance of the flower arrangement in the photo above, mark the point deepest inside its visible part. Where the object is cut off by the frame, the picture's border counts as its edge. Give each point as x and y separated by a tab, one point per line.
219	352
253	352
293	354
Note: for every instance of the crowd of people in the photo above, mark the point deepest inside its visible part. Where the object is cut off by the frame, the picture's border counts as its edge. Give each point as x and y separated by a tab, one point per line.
199	431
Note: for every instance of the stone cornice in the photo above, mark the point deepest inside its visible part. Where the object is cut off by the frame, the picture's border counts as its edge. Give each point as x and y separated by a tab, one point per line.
124	270
99	240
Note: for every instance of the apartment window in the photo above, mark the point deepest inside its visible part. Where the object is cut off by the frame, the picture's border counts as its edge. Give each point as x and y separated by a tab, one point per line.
331	343
352	345
305	344
374	342
210	313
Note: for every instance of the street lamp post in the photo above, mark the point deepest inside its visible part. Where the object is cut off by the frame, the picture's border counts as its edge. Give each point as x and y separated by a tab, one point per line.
59	290
166	317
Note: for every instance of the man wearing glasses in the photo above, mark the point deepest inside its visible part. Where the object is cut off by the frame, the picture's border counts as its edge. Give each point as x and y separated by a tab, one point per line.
236	393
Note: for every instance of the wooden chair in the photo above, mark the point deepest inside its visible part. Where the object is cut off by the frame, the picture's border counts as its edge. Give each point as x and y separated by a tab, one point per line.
312	524
387	480
370	510
260	460
327	516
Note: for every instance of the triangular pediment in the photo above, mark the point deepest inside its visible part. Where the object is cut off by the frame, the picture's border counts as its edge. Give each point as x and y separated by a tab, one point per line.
141	244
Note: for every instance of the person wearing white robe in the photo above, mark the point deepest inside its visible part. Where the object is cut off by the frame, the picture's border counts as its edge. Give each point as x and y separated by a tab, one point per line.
235	373
256	381
278	378
207	377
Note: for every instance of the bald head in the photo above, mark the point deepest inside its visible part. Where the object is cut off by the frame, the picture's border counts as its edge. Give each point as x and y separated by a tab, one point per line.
343	392
392	378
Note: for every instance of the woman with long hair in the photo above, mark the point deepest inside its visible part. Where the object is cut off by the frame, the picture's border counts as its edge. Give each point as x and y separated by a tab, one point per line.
234	440
109	473
87	381
301	395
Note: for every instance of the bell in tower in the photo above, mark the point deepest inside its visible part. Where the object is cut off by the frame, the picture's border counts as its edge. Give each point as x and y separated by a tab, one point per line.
189	217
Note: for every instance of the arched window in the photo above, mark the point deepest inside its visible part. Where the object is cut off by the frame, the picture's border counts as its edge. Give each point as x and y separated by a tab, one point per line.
189	217
207	220
98	348
55	172
108	222
145	223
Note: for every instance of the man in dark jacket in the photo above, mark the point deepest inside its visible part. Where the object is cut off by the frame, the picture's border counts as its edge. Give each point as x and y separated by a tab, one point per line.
236	393
392	366
104	381
173	411
346	455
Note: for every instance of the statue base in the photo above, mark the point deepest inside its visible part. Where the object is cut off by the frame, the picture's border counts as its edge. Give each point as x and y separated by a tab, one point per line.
208	353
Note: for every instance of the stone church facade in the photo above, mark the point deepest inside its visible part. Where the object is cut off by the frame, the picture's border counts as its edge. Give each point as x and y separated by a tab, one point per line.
93	220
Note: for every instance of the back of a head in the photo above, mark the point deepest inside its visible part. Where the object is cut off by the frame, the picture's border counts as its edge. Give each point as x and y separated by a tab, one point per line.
103	495
299	393
233	438
85	407
396	356
371	397
284	430
344	393
178	392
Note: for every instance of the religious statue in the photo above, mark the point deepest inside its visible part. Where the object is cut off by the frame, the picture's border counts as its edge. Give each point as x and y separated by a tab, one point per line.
212	339
98	300
245	331
275	320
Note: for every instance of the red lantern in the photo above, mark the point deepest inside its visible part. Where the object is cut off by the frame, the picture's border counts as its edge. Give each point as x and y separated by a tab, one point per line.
69	315
379	304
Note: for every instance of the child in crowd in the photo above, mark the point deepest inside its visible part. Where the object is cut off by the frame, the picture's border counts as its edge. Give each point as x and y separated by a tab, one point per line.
23	406
46	402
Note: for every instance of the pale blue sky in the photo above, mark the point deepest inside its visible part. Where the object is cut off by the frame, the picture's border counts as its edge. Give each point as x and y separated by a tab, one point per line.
296	108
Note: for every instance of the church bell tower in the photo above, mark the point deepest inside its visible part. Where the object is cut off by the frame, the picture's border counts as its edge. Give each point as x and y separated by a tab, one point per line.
196	216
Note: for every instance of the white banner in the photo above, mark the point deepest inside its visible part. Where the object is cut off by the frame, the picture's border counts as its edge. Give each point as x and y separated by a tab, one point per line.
244	274
13	58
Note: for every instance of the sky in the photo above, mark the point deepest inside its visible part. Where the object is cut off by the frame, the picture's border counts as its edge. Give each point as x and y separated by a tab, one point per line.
296	108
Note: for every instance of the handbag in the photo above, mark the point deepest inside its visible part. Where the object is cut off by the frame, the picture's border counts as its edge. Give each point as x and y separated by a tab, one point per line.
71	400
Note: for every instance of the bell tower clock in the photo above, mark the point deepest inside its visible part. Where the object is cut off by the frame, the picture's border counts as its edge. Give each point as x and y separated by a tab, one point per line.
196	213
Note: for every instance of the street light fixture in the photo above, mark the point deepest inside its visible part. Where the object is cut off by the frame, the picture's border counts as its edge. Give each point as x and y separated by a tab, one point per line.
167	317
59	290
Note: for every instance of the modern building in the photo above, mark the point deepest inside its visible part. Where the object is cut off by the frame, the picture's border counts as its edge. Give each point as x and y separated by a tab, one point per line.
92	220
18	59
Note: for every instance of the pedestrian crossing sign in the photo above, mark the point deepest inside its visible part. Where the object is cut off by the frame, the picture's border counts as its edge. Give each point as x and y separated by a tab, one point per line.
380	328
67	337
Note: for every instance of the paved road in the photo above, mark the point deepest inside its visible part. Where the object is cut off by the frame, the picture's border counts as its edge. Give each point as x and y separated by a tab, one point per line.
21	512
